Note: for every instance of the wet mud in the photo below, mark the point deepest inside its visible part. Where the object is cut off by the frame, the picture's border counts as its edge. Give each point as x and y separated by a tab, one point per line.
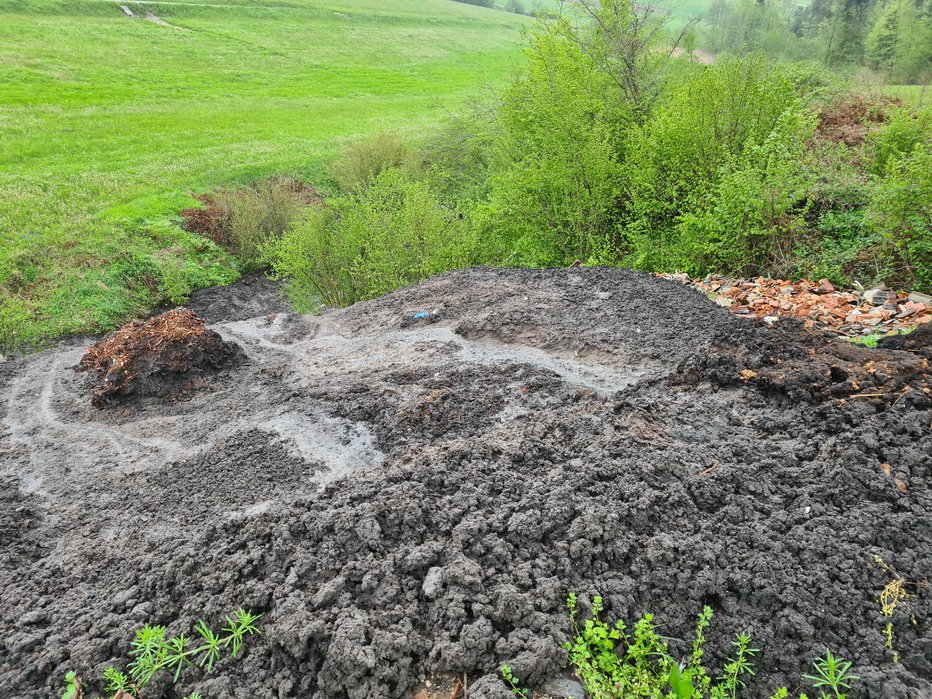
405	496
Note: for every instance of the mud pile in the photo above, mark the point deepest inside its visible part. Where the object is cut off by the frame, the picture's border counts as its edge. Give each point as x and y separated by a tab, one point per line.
168	355
404	494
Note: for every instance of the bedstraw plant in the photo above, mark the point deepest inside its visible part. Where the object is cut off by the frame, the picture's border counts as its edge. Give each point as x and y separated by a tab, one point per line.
614	662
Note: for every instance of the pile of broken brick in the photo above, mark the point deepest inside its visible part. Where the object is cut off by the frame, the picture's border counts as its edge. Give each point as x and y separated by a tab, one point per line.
853	313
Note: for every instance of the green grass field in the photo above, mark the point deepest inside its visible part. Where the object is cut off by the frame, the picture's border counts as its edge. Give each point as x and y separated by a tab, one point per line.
108	124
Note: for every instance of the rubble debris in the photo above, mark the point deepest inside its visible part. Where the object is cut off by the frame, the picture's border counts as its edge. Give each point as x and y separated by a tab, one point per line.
819	304
162	356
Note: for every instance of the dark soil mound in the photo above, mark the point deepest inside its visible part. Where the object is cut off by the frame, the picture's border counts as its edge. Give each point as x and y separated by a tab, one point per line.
402	494
253	295
800	366
162	356
918	341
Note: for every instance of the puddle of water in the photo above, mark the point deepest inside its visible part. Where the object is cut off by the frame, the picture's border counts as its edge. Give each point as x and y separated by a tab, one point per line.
601	378
342	446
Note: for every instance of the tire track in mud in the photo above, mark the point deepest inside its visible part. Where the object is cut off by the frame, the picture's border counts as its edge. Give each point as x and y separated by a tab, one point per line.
34	423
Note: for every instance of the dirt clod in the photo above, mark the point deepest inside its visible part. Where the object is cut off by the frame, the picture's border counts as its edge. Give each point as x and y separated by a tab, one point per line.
161	356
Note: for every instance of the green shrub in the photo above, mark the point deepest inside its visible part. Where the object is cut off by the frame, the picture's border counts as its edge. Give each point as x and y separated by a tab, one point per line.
555	171
840	248
247	218
396	232
900	211
363	161
457	157
904	131
750	222
714	179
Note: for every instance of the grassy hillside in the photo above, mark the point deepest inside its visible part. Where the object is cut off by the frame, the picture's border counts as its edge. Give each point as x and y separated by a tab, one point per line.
107	124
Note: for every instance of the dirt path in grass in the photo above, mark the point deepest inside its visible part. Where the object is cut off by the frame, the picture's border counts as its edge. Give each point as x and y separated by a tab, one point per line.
404	496
150	17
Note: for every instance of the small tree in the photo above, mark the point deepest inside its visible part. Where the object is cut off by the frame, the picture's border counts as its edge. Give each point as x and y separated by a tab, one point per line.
628	41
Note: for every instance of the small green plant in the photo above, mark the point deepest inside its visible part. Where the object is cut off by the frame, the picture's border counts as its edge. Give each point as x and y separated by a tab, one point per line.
152	652
614	663
736	668
73	686
832	673
513	682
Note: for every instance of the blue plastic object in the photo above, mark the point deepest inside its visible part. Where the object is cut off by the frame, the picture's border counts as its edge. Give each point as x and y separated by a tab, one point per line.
422	314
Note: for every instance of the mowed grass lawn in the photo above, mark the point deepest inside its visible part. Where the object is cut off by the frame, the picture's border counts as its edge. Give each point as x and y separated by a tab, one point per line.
108	124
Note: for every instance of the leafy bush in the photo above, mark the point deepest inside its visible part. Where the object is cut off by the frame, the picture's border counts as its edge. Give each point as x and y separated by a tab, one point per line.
362	162
458	156
904	131
394	233
713	179
900	211
554	177
614	663
750	221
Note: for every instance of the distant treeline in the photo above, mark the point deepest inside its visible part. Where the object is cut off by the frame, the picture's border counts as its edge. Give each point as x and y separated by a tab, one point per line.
893	36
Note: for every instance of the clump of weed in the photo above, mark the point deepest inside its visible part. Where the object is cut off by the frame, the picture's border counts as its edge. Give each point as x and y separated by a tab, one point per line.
242	220
152	652
513	682
364	161
832	673
893	596
615	663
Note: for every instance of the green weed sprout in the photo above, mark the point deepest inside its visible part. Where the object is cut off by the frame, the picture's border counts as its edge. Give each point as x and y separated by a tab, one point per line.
832	674
513	682
731	680
73	686
152	652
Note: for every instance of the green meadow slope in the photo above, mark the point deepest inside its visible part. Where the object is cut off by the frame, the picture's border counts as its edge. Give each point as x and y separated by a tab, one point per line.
108	124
